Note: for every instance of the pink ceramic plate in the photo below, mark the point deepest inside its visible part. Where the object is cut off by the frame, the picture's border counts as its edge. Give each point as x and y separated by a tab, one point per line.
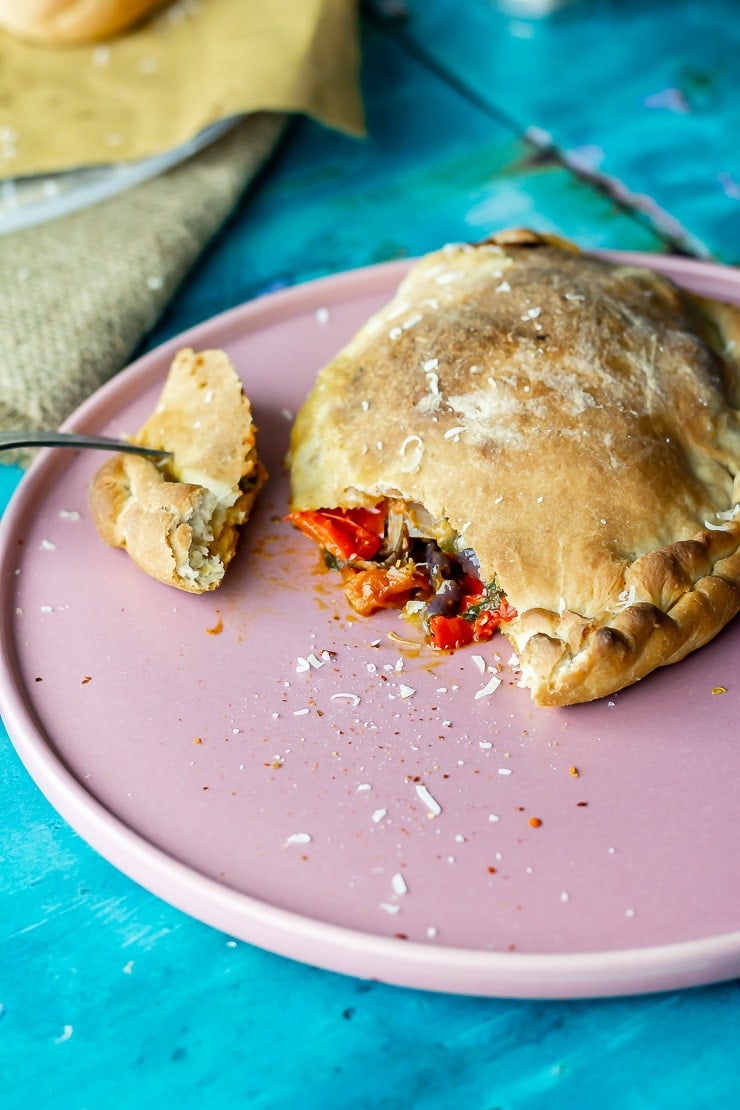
299	779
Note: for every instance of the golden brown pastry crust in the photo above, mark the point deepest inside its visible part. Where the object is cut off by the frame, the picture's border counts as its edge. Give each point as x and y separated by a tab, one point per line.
180	521
576	422
58	22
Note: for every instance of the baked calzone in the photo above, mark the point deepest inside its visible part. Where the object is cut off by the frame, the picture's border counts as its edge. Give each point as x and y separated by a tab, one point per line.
530	438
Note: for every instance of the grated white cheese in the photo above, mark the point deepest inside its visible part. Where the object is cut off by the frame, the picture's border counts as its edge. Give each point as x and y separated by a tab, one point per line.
323	315
378	815
454	433
479	662
430	364
390	907
490	688
413	460
406	691
399	884
298	838
343	695
433	807
624	600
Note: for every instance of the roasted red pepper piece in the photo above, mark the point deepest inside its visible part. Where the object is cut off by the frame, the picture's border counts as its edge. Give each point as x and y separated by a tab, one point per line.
344	533
448	633
489	620
384	587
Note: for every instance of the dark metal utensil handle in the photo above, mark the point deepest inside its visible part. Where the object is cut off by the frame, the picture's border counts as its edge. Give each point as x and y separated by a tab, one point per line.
10	440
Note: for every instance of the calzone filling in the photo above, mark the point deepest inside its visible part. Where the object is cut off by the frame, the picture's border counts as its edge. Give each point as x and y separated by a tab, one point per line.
533	439
394	556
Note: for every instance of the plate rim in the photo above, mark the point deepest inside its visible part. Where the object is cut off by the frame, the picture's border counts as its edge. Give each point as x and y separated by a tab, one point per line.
441	968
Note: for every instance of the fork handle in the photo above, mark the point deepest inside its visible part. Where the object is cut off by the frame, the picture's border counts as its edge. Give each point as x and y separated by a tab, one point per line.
9	440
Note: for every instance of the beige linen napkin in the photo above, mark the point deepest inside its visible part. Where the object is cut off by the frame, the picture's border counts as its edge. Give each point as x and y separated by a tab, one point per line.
77	294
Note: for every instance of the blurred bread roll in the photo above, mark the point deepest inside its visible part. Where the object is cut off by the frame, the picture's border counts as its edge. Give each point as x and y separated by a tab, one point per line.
67	22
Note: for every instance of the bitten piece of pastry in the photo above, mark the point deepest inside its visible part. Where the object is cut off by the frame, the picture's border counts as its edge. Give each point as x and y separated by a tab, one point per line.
179	520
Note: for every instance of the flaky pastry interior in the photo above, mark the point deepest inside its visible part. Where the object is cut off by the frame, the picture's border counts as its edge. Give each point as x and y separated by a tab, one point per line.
571	423
180	520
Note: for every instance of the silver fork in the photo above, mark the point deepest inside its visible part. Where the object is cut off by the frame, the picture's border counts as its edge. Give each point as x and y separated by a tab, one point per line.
9	440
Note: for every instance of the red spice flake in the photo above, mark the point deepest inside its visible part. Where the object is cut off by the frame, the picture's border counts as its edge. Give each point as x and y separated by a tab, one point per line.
38	678
217	628
401	936
535	822
581	804
491	870
86	679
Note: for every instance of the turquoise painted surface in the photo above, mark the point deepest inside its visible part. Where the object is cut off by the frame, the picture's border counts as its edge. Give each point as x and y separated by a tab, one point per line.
645	94
109	997
434	168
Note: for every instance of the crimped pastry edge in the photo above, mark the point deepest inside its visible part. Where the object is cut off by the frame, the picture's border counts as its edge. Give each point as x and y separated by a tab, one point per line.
566	659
